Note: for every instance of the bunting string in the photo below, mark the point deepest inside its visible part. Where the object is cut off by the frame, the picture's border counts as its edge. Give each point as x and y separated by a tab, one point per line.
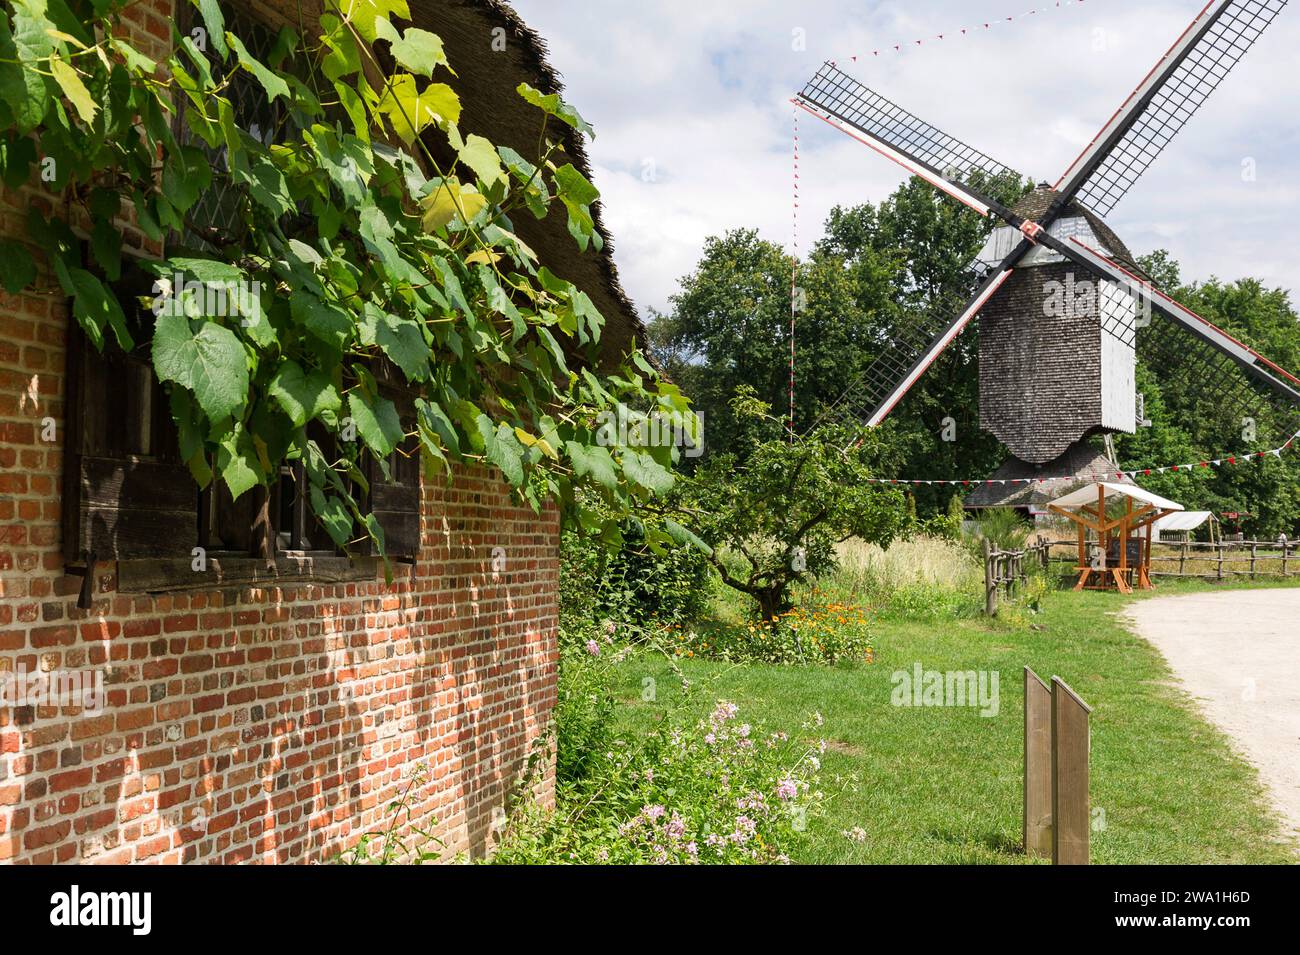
1132	474
979	27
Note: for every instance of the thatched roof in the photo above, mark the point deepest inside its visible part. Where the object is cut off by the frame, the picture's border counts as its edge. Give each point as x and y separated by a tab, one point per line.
1081	461
472	32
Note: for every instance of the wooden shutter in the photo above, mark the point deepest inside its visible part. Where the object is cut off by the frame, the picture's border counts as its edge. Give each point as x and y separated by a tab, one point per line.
126	493
395	500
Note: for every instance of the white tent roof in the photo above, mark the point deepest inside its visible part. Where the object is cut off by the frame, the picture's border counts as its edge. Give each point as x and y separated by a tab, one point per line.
1088	495
1185	521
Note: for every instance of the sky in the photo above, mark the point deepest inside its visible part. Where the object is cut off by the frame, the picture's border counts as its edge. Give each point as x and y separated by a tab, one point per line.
690	103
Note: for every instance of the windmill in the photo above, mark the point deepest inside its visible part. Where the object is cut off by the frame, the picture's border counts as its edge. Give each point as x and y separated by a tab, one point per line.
1064	310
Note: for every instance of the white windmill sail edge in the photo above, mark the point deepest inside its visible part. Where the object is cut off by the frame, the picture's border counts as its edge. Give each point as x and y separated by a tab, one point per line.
901	361
957	190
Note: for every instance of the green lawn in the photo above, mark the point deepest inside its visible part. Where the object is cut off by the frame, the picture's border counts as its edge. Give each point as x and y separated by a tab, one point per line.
943	784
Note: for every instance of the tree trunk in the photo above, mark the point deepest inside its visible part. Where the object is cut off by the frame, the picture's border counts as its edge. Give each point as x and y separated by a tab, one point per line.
772	602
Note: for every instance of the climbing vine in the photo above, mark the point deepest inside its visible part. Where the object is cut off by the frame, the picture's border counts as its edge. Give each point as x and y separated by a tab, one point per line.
352	245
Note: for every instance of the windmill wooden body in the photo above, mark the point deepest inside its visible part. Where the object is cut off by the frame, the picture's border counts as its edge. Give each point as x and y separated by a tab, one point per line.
1064	310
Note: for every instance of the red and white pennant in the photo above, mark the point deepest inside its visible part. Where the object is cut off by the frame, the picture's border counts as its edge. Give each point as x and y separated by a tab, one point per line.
965	31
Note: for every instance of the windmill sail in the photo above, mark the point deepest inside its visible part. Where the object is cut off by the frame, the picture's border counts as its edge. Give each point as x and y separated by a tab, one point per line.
1280	381
1216	373
1163	103
903	359
942	160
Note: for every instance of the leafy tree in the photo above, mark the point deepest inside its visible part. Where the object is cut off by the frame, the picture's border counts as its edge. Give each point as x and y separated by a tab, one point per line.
876	268
774	518
1189	424
353	244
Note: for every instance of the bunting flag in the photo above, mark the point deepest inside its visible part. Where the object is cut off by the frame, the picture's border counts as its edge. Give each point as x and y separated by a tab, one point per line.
964	31
1246	457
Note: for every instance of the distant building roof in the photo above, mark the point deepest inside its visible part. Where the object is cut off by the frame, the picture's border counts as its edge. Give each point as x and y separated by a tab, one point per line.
1080	461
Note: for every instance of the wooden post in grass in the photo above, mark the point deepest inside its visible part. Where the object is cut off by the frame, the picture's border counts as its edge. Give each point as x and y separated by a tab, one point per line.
1037	827
990	583
1071	816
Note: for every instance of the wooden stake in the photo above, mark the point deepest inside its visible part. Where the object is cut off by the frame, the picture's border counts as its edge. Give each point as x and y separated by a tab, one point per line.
1070	807
990	584
1037	828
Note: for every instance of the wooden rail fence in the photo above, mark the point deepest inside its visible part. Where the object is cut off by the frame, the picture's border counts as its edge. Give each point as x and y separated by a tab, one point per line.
1006	569
1220	560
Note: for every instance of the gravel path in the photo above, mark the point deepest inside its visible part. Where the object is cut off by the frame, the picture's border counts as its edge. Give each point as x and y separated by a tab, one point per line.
1238	654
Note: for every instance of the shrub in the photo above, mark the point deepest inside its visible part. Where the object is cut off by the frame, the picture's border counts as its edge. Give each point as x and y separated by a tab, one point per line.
1002	527
771	521
816	632
631	583
715	790
947	525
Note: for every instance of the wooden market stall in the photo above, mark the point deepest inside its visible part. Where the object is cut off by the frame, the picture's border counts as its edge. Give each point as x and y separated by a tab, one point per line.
1122	533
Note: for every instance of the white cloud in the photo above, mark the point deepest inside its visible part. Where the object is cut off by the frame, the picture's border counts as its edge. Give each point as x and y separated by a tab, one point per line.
700	90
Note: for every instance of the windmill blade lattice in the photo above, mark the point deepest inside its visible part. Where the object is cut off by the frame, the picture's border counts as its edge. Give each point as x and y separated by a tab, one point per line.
903	358
1215	370
836	93
1209	379
1154	116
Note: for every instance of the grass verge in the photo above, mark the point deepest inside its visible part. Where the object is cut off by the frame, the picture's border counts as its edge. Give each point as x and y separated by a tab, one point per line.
943	784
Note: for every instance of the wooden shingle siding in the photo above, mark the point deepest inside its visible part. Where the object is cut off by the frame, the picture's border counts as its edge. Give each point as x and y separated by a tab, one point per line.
1040	375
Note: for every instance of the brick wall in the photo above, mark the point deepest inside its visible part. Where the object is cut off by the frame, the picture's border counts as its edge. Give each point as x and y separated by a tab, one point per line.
257	724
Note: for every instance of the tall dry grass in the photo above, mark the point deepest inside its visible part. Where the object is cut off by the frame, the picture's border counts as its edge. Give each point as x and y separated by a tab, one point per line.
921	577
921	561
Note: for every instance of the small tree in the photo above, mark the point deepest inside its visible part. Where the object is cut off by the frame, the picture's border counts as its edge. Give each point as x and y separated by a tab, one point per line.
775	519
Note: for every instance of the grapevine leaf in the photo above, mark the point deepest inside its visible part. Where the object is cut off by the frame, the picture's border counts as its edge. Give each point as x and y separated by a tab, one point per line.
271	81
552	105
303	395
17	267
215	22
419	51
209	362
640	468
481	156
594	462
74	89
377	422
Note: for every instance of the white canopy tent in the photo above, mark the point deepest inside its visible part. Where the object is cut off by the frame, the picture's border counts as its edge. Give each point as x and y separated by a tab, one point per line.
1089	496
1181	523
1119	557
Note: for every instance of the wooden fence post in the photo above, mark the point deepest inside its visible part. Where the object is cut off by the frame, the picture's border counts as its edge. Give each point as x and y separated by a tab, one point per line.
1221	551
1182	557
1252	560
1071	815
990	581
1037	828
1285	546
